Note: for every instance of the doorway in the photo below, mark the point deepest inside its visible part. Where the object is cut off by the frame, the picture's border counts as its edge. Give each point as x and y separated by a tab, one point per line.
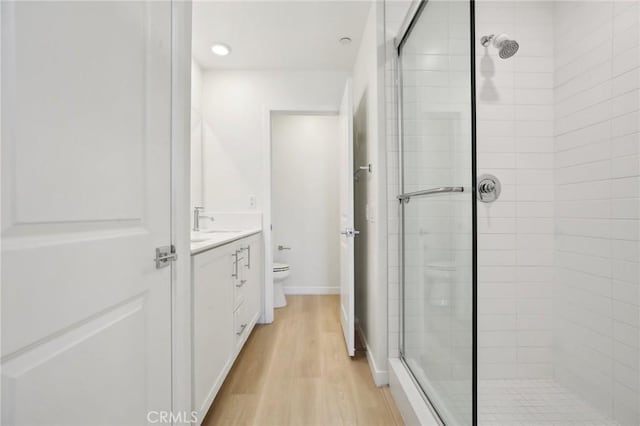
304	197
340	194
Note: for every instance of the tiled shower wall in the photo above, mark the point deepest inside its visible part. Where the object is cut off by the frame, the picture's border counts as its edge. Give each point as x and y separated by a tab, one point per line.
597	187
515	233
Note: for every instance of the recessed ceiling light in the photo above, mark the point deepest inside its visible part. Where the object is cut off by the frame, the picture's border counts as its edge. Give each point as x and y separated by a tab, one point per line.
220	49
345	40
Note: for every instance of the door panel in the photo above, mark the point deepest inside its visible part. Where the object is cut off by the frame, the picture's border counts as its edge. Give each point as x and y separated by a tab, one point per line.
438	222
85	202
347	279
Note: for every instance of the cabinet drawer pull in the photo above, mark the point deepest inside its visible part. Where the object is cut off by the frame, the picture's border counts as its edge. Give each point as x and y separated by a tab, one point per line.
242	282
242	327
235	265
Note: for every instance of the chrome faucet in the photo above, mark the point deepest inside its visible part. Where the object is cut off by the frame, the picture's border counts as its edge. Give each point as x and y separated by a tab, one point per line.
197	216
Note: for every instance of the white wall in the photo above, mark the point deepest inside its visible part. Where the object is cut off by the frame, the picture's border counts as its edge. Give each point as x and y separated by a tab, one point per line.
516	233
235	106
368	84
597	186
196	86
305	205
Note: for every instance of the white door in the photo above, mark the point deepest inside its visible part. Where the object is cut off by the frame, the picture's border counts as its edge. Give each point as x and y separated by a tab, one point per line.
86	123
347	290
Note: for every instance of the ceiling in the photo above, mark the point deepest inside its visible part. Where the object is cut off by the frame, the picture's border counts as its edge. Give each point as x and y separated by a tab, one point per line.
292	35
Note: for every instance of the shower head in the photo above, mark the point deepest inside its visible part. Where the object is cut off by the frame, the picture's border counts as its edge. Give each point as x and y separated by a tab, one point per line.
508	49
506	46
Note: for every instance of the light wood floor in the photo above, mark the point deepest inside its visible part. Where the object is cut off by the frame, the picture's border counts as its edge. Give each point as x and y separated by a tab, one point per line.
296	372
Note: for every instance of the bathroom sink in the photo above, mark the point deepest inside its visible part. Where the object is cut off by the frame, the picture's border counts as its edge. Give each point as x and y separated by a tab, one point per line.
208	234
197	237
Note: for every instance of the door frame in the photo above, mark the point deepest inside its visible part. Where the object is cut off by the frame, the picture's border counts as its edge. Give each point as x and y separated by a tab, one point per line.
181	386
269	111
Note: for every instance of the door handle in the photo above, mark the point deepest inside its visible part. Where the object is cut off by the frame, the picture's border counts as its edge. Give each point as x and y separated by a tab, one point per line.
242	327
165	255
350	232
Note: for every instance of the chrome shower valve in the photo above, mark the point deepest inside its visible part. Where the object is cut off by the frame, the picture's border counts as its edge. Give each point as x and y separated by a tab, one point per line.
488	188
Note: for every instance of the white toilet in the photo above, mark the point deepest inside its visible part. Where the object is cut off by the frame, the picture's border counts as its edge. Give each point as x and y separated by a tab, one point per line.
280	273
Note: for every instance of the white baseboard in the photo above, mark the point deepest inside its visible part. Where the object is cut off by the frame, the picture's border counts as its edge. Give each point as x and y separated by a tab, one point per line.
311	290
380	377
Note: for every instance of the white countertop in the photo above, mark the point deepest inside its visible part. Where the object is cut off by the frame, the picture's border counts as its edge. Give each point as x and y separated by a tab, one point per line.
220	238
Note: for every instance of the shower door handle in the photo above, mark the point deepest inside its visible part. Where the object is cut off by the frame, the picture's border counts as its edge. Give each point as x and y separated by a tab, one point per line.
404	198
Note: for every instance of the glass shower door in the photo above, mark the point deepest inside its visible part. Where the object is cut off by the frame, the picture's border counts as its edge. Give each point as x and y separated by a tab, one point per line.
438	207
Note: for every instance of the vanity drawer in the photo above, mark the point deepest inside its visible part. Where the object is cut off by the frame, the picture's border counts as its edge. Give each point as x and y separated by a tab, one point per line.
241	323
239	291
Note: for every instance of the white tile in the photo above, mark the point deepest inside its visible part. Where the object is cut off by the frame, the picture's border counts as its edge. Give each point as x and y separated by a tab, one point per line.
497	339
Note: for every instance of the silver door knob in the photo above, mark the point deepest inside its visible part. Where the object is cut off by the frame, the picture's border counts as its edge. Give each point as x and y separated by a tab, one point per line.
349	232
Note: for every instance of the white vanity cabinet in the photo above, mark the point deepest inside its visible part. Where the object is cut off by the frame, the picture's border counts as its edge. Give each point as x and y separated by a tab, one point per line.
212	340
227	299
247	286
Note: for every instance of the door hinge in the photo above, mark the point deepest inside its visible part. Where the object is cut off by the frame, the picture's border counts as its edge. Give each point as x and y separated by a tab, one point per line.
165	255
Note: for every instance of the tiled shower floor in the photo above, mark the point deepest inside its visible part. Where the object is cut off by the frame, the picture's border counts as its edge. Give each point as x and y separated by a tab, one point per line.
533	402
